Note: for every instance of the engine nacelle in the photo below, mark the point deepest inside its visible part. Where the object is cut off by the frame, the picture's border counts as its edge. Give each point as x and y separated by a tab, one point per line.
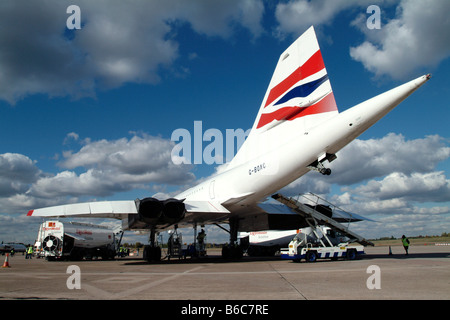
174	209
154	211
150	210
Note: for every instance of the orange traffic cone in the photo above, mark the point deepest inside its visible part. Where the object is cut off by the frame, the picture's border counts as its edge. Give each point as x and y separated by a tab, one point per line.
6	263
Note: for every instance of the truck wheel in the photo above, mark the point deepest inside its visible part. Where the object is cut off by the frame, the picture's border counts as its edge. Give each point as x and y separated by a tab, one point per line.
311	256
351	254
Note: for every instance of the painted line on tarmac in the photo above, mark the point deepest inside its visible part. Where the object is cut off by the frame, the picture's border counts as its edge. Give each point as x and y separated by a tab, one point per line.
102	294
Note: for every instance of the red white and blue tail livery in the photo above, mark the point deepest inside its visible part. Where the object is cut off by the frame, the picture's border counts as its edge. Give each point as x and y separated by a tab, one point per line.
300	86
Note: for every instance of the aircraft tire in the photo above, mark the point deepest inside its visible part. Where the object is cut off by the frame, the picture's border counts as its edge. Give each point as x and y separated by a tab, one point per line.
152	253
232	252
225	252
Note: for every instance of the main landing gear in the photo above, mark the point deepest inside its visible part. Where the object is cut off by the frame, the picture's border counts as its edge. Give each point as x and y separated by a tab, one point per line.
152	252
233	250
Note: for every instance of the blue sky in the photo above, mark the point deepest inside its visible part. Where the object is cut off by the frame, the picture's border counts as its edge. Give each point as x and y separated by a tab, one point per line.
88	114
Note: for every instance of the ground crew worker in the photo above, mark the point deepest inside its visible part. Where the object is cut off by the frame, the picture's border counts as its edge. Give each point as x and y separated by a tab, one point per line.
29	254
201	240
405	242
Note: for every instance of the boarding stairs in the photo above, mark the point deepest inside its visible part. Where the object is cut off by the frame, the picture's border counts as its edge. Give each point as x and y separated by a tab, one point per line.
314	218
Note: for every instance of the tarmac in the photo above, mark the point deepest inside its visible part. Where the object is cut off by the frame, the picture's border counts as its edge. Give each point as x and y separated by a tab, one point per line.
424	274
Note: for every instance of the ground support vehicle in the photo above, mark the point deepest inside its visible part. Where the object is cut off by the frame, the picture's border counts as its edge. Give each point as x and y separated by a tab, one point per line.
324	237
299	249
74	240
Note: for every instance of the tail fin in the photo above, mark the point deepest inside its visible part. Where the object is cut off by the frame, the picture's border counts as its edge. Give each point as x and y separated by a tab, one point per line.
298	98
299	87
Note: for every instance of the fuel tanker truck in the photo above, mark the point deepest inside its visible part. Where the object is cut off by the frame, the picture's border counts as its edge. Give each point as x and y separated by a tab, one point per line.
75	241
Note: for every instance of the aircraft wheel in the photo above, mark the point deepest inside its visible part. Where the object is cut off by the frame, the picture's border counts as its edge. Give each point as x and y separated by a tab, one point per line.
152	253
225	252
232	252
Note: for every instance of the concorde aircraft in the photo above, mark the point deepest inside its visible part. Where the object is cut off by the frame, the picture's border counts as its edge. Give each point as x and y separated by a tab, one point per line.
298	128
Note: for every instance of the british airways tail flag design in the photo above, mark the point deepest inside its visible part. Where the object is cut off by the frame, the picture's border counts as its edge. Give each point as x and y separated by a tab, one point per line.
299	87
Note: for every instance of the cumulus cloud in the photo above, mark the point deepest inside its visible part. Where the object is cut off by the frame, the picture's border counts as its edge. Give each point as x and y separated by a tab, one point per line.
367	159
114	166
431	186
397	216
100	168
431	222
16	173
296	16
138	155
418	38
400	194
119	42
364	160
218	18
71	136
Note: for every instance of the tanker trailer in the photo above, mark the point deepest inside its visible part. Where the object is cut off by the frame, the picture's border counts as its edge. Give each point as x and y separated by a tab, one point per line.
75	240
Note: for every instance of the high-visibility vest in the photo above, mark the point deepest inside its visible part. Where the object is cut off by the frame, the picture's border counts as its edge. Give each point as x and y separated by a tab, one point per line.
30	249
405	242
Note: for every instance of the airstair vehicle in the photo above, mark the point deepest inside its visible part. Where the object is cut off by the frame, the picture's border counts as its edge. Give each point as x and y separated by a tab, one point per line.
317	213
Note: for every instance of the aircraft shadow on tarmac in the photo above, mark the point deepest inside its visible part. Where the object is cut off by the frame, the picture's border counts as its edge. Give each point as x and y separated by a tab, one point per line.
199	260
246	259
